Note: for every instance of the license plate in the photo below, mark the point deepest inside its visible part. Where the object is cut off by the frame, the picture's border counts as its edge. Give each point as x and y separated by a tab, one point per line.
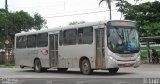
127	65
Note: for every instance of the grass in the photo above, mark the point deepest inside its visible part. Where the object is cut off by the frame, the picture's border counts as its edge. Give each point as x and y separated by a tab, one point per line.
7	65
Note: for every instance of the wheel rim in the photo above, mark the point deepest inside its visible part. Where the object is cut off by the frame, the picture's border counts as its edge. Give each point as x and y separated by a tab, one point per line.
37	66
85	67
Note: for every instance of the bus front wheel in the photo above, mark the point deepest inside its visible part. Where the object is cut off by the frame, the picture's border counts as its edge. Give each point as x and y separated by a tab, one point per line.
113	70
37	66
85	67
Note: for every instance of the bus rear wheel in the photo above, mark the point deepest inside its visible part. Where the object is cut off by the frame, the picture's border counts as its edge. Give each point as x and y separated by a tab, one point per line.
113	70
21	66
37	66
85	67
44	69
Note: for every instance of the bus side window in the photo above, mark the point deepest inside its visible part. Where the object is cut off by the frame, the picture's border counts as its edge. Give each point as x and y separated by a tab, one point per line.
60	38
70	37
42	40
31	41
85	35
21	42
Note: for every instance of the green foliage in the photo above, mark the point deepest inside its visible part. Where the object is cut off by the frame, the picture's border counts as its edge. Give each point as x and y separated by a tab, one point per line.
158	53
146	14
144	54
7	65
153	28
2	31
39	22
18	21
1	43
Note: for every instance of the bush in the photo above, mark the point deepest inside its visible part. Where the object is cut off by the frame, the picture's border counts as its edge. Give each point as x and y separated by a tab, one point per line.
143	53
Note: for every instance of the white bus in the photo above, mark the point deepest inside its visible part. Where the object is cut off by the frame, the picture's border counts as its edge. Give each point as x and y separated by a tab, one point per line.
104	45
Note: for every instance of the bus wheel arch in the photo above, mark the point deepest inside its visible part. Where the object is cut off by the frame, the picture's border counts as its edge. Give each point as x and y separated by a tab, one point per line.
85	66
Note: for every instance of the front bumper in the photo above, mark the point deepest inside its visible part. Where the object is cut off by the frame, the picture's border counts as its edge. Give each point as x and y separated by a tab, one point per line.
112	63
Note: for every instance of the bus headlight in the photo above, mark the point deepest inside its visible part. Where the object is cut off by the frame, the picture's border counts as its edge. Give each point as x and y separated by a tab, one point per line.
112	58
138	62
138	59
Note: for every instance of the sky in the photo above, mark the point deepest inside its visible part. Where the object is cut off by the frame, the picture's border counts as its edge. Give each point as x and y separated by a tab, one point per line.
62	12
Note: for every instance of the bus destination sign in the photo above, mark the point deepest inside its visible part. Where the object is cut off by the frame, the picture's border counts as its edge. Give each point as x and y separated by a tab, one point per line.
123	23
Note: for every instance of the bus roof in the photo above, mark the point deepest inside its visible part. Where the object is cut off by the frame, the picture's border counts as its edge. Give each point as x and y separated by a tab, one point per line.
67	27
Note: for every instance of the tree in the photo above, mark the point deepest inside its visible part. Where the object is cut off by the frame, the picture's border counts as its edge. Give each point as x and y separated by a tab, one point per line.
2	25
124	8
39	22
146	14
19	21
152	29
108	2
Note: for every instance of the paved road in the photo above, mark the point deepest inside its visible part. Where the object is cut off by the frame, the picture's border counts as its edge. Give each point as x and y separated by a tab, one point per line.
145	73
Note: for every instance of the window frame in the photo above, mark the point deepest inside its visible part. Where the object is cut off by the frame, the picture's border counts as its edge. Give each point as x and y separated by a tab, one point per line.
69	37
23	44
42	39
31	45
83	36
61	38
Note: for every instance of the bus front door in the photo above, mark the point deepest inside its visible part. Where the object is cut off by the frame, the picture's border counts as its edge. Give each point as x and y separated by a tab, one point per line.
100	54
53	49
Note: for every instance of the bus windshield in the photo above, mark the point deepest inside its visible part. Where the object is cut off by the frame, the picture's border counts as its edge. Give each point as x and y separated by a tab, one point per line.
123	39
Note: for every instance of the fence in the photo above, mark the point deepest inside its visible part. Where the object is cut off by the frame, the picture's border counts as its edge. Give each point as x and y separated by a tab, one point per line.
3	60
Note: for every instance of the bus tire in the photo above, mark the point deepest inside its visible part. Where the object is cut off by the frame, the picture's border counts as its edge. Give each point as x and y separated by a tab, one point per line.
37	66
85	67
44	69
113	70
21	66
62	69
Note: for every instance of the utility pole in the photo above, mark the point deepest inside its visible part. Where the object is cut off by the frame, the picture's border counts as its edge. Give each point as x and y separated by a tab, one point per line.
6	26
64	5
6	32
6	5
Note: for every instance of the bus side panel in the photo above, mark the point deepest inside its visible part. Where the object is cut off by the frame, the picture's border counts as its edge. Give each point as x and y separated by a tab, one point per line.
63	58
38	53
43	54
21	57
70	55
84	50
32	53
